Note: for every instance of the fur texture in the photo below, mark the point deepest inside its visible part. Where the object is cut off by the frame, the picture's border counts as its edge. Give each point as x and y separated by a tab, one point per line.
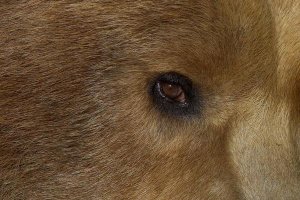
77	122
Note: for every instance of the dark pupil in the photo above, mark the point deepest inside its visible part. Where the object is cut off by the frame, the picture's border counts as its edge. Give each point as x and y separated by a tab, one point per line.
172	91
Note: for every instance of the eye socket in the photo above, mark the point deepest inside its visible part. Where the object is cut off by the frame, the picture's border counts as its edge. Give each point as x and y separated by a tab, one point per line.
175	94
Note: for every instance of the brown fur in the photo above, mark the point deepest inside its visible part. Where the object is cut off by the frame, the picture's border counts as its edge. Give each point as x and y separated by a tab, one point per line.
77	122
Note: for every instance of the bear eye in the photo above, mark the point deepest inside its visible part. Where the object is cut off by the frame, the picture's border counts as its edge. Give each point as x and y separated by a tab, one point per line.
175	94
172	92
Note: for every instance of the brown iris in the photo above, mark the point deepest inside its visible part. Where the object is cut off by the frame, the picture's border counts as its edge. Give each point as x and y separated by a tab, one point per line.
174	94
172	91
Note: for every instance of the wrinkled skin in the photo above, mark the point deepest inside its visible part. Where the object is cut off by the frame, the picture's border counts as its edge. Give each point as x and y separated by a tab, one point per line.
77	120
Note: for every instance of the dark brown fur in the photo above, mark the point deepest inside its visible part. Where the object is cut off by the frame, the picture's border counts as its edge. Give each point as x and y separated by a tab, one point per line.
77	121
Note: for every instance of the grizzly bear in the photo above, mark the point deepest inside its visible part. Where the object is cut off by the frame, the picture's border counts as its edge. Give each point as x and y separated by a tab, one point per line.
149	99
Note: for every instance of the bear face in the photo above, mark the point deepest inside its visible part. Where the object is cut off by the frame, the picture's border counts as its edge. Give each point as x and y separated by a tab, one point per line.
149	100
